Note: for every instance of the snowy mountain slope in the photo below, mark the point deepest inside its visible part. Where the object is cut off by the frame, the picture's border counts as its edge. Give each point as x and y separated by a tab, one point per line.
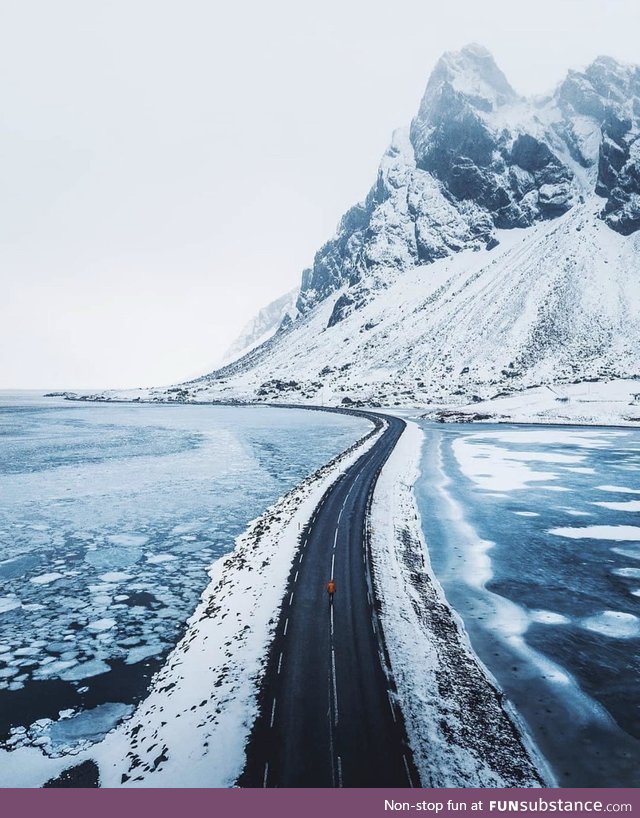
535	309
263	325
498	249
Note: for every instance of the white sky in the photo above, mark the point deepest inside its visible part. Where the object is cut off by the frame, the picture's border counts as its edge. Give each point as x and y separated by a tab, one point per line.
167	168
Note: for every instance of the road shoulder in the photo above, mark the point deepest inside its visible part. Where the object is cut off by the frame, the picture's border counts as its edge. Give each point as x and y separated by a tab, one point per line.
458	724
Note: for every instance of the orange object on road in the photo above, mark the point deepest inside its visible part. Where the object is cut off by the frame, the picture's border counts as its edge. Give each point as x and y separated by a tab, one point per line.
331	588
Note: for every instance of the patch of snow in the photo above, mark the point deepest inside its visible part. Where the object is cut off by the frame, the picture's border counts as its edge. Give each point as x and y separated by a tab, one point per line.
549	618
614	624
619	489
618	533
628	573
494	468
630	505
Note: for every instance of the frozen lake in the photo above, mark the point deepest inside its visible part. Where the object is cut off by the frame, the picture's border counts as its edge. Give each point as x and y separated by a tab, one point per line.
534	533
110	516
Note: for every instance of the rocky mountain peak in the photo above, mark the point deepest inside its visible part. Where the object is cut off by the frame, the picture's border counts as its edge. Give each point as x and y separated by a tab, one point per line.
471	73
478	159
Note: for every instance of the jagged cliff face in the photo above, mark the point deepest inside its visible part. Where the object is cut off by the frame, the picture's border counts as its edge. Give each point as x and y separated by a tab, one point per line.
499	248
477	157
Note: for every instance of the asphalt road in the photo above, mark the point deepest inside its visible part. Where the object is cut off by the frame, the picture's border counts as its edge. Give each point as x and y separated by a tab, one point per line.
328	714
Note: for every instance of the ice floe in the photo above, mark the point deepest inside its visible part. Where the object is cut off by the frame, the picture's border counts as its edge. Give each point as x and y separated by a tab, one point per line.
101	625
128	539
115	576
86	670
45	579
156	559
9	603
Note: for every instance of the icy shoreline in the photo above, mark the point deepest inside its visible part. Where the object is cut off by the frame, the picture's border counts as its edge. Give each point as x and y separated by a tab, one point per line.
191	729
460	729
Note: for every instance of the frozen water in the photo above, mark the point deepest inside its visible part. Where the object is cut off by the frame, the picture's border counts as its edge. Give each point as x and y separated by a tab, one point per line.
632	551
127	539
101	625
619	489
86	670
115	576
629	505
45	579
110	517
620	533
89	725
630	573
9	603
614	624
570	665
144	652
549	618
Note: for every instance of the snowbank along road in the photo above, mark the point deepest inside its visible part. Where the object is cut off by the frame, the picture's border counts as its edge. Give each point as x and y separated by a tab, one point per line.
328	714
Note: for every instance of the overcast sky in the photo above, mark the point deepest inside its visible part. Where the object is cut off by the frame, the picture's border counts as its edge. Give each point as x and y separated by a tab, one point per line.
167	168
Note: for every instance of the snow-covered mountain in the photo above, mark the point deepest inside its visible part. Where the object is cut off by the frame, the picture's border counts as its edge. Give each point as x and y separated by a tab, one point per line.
263	325
498	249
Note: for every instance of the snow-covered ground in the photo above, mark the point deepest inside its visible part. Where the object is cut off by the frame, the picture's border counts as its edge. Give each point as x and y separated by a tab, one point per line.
458	727
603	403
479	333
191	729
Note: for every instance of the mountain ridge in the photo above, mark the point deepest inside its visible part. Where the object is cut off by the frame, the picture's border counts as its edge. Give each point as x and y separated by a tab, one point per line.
508	225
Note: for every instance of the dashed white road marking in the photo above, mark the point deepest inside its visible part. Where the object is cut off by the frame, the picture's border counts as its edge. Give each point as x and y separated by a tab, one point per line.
339	771
335	687
286	625
273	713
393	710
295	579
280	662
266	773
291	599
406	767
333	560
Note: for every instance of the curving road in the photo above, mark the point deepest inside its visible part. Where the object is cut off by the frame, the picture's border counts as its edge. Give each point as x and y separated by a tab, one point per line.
328	716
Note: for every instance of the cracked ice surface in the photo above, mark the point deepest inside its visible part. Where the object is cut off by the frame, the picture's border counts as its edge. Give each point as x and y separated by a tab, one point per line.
111	516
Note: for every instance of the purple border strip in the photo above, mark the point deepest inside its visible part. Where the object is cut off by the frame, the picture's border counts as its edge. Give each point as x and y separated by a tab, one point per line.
315	803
